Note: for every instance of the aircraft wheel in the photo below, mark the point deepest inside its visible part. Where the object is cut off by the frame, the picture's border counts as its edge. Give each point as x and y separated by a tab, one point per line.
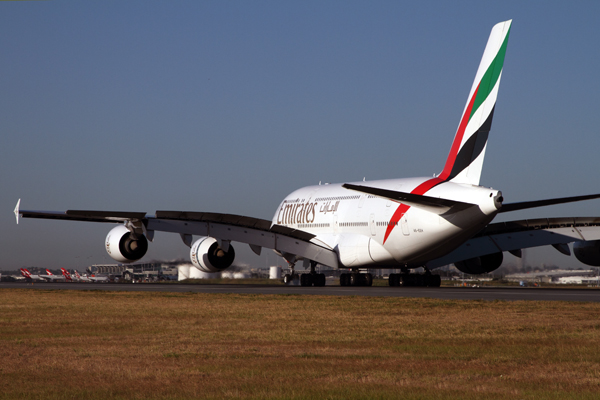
319	280
345	279
407	280
421	280
306	280
287	279
368	280
434	280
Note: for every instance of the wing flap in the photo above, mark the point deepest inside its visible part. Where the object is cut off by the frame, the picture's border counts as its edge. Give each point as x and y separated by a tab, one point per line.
250	231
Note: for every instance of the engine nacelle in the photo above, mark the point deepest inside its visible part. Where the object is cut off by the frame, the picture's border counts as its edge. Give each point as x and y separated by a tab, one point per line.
125	247
480	265
207	256
588	252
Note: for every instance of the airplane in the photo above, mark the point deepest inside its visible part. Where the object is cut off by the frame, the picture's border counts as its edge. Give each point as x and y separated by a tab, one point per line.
27	275
80	278
95	278
77	277
92	278
51	277
66	274
394	224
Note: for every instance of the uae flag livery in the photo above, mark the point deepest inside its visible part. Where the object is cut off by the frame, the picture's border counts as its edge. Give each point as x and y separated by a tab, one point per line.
465	160
468	148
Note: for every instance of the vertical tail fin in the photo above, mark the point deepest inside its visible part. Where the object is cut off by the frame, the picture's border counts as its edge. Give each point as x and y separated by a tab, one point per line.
465	160
65	274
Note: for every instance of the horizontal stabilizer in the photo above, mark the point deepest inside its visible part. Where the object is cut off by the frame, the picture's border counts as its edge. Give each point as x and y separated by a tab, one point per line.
432	204
542	203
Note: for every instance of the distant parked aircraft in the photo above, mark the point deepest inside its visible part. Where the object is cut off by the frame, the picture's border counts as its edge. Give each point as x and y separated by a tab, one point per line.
28	275
50	277
87	278
66	275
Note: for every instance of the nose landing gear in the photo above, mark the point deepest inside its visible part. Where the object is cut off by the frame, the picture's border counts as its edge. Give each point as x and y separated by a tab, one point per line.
308	279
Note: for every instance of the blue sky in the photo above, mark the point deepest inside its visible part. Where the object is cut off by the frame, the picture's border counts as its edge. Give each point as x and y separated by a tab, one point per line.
229	106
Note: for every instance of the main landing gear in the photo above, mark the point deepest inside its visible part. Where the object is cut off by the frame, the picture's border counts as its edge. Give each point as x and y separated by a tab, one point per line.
308	279
312	279
356	279
423	280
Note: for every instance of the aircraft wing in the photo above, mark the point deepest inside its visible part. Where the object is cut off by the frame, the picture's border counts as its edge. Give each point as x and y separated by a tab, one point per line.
82	215
516	235
258	233
547	202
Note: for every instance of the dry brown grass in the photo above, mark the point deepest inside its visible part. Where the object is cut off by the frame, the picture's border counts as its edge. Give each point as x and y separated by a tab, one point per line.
97	345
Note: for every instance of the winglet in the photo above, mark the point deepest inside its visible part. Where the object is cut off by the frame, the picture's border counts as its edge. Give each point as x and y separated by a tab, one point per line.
17	211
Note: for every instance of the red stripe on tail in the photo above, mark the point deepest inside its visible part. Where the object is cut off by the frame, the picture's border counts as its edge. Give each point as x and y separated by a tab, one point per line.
458	138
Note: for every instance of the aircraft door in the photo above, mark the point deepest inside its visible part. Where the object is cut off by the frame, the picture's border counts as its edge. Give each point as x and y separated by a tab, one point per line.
405	229
372	224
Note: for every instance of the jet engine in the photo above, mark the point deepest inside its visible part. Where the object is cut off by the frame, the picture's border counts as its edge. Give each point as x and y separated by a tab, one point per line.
124	246
588	252
207	256
480	265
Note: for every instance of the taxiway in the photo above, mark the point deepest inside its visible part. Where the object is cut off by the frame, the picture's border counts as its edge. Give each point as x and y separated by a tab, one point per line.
454	293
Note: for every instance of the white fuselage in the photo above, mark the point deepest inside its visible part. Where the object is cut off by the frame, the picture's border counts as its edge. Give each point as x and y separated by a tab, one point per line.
52	277
367	230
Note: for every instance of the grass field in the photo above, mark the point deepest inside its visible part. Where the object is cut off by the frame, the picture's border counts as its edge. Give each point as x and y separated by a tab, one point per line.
113	345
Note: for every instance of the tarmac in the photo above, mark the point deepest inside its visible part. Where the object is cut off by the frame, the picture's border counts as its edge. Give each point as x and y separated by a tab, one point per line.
447	293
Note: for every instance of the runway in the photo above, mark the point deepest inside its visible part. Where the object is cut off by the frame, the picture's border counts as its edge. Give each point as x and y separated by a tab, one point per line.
448	293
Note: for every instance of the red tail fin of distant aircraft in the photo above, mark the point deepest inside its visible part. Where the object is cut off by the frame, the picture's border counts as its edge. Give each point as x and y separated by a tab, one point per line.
66	274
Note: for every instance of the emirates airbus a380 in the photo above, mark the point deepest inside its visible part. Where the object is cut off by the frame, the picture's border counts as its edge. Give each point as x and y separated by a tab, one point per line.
395	224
